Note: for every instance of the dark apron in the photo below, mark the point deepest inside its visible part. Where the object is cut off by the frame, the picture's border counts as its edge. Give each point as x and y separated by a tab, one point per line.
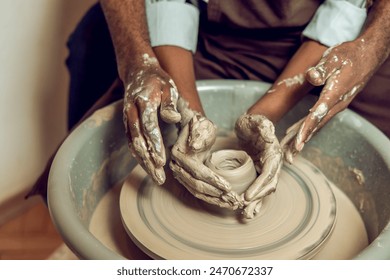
255	39
252	39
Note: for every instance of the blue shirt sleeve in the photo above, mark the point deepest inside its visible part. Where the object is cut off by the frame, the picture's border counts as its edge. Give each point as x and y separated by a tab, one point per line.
173	22
337	21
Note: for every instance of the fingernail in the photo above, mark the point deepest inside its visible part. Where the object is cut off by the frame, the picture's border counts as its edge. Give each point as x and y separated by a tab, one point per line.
299	146
288	156
314	76
249	195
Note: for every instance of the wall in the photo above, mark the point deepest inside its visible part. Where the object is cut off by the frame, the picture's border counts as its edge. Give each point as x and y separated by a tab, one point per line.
33	87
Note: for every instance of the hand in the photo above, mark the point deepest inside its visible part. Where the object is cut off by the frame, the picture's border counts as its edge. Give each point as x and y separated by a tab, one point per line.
344	70
149	94
256	135
196	137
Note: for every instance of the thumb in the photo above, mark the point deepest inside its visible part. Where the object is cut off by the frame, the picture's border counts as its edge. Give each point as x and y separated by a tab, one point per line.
168	108
328	64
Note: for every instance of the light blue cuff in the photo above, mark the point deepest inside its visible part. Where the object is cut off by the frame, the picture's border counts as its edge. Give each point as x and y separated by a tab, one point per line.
173	23
336	21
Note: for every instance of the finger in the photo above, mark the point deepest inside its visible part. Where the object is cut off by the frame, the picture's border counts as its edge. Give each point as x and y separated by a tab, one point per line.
328	64
150	127
267	189
188	180
291	132
336	91
157	173
294	128
287	142
202	190
202	134
232	198
209	199
258	206
252	209
168	109
138	145
310	125
199	171
265	182
332	112
289	152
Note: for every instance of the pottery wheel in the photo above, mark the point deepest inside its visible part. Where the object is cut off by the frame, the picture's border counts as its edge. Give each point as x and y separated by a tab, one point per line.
167	222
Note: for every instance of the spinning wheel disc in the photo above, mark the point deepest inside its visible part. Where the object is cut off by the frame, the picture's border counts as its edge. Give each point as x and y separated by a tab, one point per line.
167	222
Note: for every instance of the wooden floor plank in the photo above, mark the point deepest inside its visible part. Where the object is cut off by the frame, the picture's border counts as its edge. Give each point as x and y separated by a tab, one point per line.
31	235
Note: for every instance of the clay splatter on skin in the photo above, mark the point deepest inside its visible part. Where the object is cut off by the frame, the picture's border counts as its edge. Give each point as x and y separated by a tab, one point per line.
150	123
320	112
351	93
347	61
148	146
296	80
149	60
169	113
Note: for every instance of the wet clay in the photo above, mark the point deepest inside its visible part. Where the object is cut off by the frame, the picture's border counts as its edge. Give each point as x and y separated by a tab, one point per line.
235	166
106	226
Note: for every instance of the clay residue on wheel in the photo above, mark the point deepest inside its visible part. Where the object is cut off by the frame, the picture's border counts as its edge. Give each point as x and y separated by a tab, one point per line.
351	181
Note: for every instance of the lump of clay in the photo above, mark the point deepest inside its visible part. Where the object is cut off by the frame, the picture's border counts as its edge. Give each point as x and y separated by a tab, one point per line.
235	166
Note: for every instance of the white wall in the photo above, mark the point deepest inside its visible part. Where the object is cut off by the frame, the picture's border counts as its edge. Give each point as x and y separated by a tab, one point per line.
33	86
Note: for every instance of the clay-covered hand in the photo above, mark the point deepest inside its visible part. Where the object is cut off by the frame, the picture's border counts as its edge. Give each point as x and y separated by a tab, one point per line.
196	137
150	94
256	135
343	70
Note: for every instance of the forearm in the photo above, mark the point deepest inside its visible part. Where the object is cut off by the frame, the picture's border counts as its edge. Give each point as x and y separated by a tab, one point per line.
127	24
178	63
291	84
376	32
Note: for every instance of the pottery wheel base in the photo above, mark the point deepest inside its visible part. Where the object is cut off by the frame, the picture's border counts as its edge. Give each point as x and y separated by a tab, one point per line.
167	222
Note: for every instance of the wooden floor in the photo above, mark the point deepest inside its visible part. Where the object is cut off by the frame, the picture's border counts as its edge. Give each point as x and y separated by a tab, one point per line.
29	236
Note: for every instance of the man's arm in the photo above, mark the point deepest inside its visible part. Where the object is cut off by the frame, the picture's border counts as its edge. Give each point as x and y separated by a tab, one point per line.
335	22
128	28
126	20
344	71
150	92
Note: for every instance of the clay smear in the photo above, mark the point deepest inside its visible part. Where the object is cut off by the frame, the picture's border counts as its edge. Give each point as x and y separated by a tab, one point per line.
296	80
